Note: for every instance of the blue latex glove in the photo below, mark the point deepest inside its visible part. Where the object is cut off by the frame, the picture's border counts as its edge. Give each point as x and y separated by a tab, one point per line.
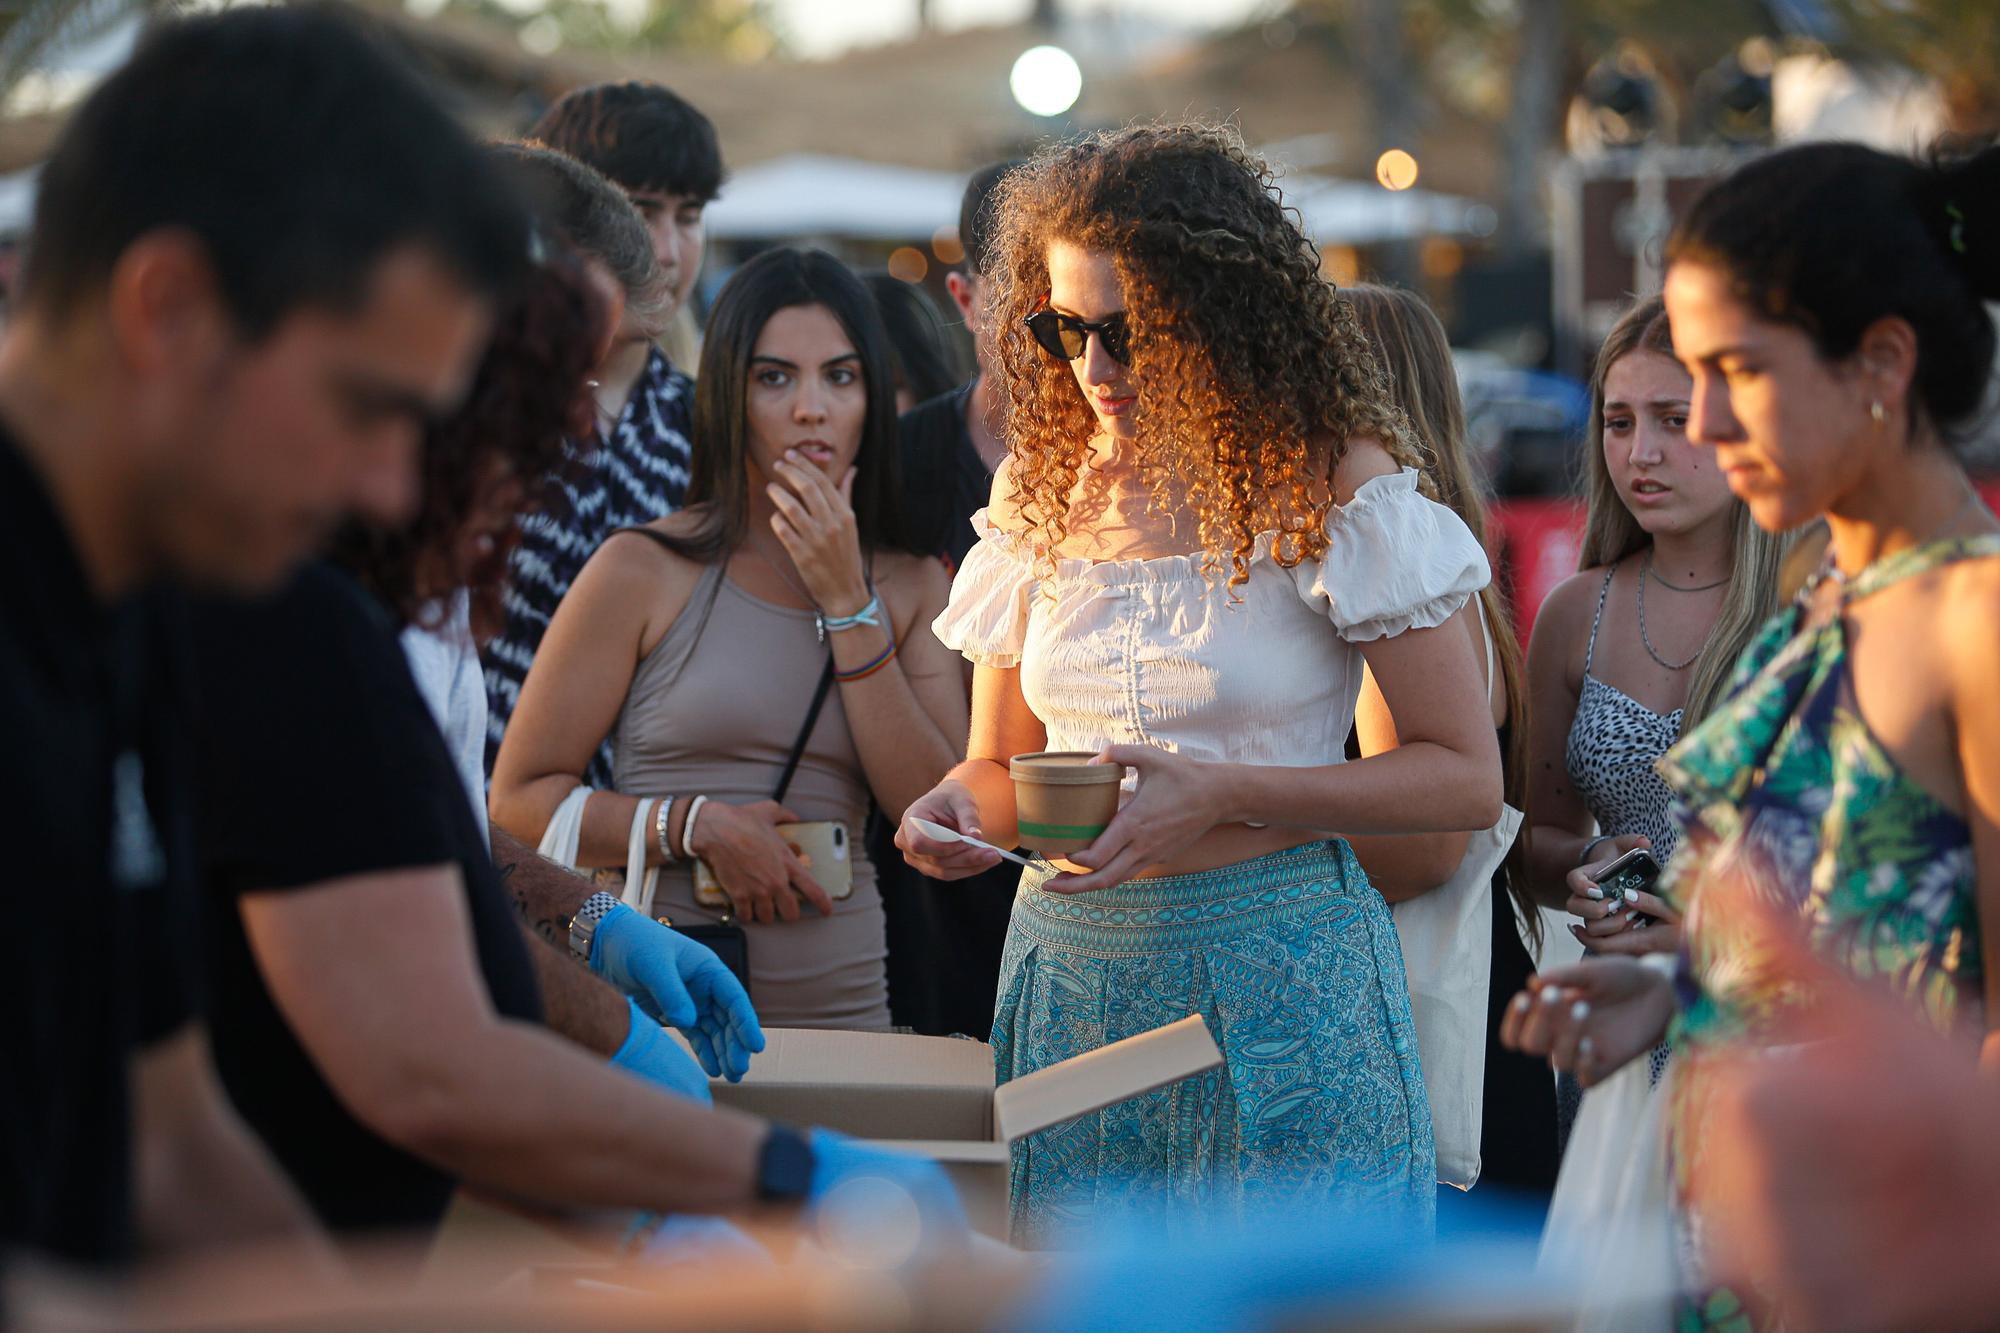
853	1185
657	1058
685	1240
683	984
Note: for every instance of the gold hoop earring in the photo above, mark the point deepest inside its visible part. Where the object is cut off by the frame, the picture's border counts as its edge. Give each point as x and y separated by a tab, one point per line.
1875	411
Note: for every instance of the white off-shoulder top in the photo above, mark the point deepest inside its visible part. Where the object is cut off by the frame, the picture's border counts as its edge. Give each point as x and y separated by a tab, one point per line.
1154	652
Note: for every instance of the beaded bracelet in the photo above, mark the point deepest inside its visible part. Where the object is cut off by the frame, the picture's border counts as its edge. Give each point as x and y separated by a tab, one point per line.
660	813
865	616
864	672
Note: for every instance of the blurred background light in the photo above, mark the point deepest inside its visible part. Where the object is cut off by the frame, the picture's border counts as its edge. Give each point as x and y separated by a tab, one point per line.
1396	170
1046	80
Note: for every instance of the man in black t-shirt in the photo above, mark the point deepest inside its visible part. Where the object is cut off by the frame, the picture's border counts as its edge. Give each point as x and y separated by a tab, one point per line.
261	256
319	765
945	939
951	444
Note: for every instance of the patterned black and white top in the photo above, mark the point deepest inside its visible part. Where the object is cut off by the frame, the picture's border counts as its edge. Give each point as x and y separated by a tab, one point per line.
1614	741
634	476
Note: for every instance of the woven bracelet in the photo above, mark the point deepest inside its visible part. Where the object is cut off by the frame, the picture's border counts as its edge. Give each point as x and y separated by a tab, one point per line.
863	672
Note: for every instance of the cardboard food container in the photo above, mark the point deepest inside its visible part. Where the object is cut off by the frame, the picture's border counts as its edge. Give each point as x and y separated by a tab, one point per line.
936	1096
1063	799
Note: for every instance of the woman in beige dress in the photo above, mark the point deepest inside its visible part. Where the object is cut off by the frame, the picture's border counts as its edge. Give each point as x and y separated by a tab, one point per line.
698	643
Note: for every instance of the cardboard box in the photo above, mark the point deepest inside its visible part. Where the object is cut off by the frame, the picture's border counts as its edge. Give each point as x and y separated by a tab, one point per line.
936	1095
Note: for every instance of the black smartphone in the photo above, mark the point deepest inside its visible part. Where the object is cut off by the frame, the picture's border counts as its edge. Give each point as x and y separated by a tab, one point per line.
729	943
1636	869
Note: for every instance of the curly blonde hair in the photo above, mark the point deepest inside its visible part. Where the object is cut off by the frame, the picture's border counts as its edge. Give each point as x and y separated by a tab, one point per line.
1253	370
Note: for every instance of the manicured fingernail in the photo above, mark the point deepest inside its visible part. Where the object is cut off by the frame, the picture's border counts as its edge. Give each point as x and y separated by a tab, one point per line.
1521	1003
1631	895
1593	892
1617	905
1579	1011
1550	995
1586	1050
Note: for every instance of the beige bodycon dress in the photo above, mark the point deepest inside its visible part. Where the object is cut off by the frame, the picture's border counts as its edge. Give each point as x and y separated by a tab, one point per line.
714	710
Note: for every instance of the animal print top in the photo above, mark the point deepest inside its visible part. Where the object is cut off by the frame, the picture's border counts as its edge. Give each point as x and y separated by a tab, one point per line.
1614	741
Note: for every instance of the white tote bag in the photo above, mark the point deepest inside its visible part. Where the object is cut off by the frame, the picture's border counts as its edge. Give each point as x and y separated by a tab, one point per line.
565	829
1447	938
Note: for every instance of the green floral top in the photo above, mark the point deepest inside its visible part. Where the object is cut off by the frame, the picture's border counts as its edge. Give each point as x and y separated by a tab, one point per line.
1785	784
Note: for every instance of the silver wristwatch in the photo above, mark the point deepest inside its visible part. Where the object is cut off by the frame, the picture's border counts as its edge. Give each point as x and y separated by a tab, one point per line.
583	925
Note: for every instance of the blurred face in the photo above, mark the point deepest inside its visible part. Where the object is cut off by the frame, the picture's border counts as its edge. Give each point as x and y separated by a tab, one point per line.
968	296
806	393
1669	484
674	221
271	444
1791	433
1084	283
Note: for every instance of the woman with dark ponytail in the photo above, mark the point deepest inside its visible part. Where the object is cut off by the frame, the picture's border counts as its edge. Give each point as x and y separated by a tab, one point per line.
1829	302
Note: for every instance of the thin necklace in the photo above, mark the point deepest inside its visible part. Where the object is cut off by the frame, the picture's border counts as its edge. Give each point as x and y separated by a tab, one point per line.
819	616
1665	582
1647	639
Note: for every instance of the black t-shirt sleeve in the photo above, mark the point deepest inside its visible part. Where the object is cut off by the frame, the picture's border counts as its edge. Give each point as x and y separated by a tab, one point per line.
312	761
169	956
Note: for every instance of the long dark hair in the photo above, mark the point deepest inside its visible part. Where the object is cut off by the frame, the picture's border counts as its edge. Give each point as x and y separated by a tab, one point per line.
719	489
1831	237
522	399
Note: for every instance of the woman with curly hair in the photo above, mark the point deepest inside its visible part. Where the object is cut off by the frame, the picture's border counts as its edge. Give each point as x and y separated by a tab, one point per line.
1212	517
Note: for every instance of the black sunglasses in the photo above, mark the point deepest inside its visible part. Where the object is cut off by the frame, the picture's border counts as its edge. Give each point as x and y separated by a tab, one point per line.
1065	336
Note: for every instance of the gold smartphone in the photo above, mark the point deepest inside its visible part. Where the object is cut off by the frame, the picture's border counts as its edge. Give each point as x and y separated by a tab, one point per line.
822	844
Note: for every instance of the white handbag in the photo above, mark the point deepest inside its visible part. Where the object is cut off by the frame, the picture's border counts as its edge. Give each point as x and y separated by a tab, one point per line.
1447	939
565	830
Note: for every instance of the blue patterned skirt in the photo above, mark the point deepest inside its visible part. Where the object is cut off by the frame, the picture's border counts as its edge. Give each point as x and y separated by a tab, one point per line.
1292	958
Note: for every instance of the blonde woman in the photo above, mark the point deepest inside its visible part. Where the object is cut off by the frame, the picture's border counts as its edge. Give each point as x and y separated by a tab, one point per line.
1513	1139
1637	646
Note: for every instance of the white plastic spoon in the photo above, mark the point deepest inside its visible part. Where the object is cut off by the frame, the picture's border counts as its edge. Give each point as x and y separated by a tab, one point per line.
943	834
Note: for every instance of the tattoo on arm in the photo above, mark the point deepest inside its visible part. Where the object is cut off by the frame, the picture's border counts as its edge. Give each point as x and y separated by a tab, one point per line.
545	894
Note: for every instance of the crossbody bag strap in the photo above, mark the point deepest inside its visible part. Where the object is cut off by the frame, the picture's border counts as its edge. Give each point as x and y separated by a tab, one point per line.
824	688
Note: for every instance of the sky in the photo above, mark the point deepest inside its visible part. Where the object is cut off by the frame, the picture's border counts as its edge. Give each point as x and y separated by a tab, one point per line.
827	27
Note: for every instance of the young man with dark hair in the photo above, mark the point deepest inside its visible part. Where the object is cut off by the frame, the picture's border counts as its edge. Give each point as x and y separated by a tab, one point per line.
658	149
262	258
945	941
664	154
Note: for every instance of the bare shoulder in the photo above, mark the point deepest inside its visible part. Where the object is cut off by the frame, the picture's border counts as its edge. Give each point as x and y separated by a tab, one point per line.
1562	621
1364	459
1001	510
630	569
1964	610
